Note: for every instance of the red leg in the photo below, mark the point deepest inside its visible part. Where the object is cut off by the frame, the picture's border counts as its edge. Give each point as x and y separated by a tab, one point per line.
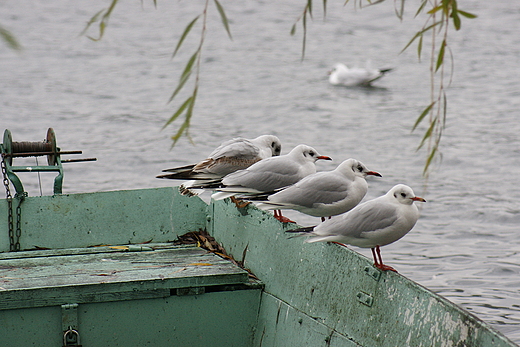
376	263
239	203
379	263
278	215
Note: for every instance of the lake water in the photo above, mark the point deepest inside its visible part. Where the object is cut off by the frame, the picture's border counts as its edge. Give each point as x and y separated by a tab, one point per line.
109	99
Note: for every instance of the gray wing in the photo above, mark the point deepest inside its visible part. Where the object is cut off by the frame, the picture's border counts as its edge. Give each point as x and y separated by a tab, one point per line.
368	217
371	217
236	148
321	187
266	175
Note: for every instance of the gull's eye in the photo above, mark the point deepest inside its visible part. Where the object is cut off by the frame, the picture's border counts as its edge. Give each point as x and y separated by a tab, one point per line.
403	195
311	153
360	168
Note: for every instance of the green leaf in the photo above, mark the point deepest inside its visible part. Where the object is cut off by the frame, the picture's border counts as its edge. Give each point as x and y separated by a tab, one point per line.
456	20
104	20
429	159
423	114
189	65
184	34
92	20
179	111
419	10
304	23
324	9
419	47
440	58
9	39
181	84
399	12
293	29
435	9
444	107
186	124
185	75
467	14
309	6
455	15
223	17
428	133
418	34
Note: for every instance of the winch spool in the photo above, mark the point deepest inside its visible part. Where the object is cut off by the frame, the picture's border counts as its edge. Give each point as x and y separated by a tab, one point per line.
48	147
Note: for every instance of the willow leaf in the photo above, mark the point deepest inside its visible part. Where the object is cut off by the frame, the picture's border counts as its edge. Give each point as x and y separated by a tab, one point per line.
186	124
444	107
423	114
419	47
309	6
92	20
189	65
440	58
324	9
181	130
293	29
435	9
428	133
9	39
399	13
223	17
304	23
429	160
181	84
419	10
456	20
179	111
447	5
418	34
184	34
467	14
104	20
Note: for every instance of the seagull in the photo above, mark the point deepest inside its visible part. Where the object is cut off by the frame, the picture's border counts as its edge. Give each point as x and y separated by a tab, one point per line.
267	175
372	224
342	75
324	194
235	154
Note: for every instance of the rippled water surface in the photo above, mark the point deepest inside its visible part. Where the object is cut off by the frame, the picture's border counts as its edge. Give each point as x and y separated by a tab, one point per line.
109	99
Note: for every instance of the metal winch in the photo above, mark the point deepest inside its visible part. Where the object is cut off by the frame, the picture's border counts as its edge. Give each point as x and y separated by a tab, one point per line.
48	148
11	150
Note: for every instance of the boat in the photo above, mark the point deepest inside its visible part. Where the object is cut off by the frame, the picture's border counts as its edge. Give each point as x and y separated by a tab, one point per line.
111	269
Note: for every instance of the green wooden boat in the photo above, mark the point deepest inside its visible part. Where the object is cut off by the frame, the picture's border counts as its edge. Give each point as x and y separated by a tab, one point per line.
101	269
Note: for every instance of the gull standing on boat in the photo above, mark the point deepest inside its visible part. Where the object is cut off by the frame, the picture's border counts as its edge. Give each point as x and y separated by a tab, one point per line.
324	194
350	77
269	174
236	154
372	224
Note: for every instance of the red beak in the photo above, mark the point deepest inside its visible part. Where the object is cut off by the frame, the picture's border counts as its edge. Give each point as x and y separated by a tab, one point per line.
324	157
416	198
373	173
